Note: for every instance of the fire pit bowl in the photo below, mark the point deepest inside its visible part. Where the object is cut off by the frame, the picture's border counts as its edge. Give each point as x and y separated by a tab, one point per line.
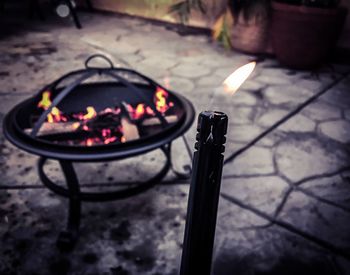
97	114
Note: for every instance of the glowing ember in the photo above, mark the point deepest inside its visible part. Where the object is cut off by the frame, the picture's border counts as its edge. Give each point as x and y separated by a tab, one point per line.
103	127
237	78
76	125
85	128
139	111
89	142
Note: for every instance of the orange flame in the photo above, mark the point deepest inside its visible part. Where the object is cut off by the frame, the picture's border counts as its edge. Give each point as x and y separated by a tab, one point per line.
55	114
161	100
139	111
237	78
45	102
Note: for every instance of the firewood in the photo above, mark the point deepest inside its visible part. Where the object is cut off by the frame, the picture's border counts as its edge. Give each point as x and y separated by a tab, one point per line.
155	121
48	128
130	130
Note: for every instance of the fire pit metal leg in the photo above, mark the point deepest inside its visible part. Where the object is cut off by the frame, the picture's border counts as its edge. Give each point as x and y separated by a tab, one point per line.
74	14
68	238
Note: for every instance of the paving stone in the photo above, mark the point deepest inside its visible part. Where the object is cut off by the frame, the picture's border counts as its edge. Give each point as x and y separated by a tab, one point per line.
244	133
9	101
288	96
114	232
256	161
263	193
17	167
194	54
269	251
181	85
318	219
274	77
332	188
244	98
298	123
338	96
190	70
222	58
271	116
319	111
338	130
210	81
232	219
312	84
272	139
347	114
119	47
252	85
159	63
237	115
224	98
295	159
152	72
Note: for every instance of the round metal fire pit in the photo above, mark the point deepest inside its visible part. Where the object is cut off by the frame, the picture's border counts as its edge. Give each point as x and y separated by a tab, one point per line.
80	119
16	121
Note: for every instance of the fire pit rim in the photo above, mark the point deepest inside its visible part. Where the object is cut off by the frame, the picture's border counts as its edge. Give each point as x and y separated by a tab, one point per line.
86	154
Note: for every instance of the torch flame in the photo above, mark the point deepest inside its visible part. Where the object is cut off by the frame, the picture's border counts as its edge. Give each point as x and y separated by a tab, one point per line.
237	78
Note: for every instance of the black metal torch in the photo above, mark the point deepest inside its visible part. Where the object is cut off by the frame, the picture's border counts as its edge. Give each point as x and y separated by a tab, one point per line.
204	194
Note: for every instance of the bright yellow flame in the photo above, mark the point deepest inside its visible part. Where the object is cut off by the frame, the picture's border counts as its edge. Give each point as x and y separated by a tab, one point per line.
237	78
45	101
91	113
54	115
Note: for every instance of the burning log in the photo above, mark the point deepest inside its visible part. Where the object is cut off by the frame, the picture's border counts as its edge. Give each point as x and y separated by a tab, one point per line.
49	128
101	121
155	121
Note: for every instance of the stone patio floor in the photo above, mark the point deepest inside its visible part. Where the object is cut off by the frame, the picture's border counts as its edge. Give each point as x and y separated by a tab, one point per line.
285	204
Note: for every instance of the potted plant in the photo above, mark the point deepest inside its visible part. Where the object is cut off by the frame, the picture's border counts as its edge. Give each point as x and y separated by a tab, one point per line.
304	32
249	31
241	24
244	26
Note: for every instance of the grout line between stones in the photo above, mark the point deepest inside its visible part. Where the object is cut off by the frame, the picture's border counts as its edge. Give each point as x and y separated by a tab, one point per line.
289	227
286	118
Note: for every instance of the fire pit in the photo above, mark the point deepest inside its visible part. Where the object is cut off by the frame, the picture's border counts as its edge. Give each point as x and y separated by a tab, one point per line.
79	119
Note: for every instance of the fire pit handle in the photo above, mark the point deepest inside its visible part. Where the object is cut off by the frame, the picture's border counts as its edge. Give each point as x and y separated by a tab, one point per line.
98	56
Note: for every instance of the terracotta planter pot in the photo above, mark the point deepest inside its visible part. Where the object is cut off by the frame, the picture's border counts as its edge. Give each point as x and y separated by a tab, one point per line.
250	36
303	37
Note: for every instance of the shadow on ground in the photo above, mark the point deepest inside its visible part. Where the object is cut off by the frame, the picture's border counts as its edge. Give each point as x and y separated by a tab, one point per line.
233	264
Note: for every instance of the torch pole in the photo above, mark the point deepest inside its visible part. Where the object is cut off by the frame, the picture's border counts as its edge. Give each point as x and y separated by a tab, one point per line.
204	194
